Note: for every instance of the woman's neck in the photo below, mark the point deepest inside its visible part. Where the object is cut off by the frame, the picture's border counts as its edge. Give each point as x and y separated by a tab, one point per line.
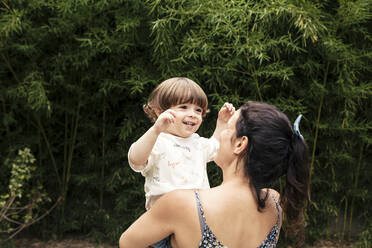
234	173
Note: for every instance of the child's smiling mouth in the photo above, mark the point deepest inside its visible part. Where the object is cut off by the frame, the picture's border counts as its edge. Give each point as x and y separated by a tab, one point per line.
189	123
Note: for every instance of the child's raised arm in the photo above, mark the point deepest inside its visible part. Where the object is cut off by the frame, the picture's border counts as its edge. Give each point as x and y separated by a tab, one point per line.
141	149
226	111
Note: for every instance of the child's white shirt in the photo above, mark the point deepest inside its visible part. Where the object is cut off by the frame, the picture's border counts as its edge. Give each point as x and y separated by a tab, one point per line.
176	163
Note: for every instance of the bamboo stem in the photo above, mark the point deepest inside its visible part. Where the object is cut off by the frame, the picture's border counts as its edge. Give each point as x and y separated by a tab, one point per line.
257	86
67	166
72	147
103	153
258	89
356	179
345	218
10	68
4	111
318	121
337	219
54	163
65	151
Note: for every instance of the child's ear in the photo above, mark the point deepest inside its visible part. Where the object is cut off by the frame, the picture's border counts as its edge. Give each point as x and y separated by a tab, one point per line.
240	144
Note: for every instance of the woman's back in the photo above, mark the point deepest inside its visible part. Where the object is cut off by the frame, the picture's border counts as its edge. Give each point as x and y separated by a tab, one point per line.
231	215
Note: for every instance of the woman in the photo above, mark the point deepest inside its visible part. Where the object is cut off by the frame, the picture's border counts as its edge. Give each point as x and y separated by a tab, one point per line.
256	149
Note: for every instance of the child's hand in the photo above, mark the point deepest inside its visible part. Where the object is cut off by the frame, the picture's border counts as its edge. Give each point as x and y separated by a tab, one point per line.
226	112
164	120
224	116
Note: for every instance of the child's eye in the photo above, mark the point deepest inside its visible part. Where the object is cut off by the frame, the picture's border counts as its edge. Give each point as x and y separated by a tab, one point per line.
199	110
183	107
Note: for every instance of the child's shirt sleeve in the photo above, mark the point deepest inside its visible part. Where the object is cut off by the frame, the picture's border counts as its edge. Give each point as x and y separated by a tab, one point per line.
210	147
154	156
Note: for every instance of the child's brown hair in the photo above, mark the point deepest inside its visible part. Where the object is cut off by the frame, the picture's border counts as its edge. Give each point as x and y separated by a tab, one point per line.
174	91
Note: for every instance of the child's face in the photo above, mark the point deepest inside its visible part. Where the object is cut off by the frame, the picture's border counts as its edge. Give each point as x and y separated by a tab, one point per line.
187	121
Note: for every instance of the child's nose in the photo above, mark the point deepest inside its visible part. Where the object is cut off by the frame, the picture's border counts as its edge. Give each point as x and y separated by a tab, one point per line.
193	113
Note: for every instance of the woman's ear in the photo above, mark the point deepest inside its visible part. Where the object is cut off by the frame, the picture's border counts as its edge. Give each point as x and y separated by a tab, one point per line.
240	144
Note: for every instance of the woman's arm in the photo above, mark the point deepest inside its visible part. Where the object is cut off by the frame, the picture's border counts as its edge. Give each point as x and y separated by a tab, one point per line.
164	217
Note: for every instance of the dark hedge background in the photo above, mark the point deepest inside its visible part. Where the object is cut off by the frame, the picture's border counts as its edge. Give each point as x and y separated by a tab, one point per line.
75	73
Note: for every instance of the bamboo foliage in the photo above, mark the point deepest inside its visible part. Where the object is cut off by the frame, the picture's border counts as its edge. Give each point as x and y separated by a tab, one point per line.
75	74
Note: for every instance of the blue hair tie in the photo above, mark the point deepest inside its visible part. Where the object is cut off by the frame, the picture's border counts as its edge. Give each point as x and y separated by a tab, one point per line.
296	128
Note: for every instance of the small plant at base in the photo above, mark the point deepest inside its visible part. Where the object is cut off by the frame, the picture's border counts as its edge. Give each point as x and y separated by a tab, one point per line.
20	207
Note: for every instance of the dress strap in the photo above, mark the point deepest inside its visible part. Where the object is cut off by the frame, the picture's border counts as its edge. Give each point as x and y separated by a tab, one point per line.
200	211
278	208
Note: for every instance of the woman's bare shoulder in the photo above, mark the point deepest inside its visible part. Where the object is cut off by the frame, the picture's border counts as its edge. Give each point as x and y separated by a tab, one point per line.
274	193
271	193
177	202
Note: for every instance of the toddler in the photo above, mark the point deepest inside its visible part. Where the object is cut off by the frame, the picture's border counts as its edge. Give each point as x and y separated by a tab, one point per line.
170	155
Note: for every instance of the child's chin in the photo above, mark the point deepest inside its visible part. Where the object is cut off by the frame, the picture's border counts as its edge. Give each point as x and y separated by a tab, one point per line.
186	135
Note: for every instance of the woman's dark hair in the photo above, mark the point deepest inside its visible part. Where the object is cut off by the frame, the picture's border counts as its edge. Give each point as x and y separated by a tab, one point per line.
274	150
